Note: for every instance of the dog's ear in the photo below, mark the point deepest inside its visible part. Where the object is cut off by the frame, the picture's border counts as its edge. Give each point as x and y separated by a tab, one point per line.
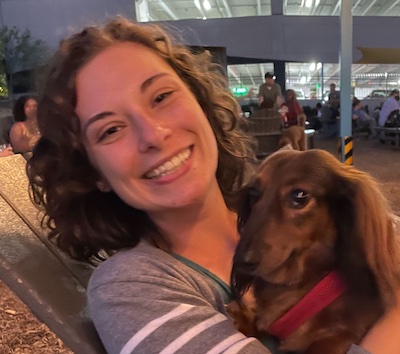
247	196
367	249
241	281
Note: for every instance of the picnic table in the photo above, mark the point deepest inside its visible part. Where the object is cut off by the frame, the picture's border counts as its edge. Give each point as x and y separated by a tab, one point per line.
390	134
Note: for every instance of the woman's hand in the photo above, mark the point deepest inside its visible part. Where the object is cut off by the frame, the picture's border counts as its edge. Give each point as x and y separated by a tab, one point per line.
8	151
384	337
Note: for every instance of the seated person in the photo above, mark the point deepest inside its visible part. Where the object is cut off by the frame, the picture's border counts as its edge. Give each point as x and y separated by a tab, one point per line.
390	105
376	112
24	132
294	109
6	123
362	119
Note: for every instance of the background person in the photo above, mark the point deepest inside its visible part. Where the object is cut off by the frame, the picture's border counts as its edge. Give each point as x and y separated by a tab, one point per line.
24	132
334	96
270	92
294	109
334	102
390	105
363	120
121	168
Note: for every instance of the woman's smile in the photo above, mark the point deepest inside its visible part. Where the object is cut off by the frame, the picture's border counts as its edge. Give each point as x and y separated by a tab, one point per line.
170	167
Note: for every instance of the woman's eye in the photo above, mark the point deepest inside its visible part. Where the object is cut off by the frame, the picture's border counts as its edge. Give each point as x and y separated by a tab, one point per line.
162	97
298	198
108	132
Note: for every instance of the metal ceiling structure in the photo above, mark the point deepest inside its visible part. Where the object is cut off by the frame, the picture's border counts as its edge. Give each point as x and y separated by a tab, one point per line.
167	10
298	74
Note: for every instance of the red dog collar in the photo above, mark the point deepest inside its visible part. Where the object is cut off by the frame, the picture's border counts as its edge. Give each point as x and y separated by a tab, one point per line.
323	294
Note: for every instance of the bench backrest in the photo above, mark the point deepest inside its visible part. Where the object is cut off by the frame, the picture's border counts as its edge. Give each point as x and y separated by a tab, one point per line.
46	280
265	126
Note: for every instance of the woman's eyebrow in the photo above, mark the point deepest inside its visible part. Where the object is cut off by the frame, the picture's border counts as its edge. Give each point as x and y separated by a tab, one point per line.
95	118
150	80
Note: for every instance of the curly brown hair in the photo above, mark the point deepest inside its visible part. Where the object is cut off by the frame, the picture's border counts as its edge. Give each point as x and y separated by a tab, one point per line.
82	219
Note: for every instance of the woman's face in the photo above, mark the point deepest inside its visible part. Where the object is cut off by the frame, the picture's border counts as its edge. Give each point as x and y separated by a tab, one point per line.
30	109
289	96
144	130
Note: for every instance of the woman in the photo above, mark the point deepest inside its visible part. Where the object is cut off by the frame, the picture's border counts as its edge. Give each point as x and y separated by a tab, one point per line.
141	156
293	107
24	133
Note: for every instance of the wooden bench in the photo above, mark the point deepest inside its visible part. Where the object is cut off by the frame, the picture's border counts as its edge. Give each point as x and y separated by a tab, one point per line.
52	285
390	134
268	131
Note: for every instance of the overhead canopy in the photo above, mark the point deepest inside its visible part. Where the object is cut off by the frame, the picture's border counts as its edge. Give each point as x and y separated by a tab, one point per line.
379	55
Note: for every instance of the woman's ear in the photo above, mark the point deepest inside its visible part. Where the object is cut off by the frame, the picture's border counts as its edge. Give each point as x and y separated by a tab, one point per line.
103	186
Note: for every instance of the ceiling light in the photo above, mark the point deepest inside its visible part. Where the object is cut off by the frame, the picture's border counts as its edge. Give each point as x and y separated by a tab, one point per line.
206	5
312	67
308	3
197	3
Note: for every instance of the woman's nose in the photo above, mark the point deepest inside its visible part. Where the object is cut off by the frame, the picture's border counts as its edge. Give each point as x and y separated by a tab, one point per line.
152	131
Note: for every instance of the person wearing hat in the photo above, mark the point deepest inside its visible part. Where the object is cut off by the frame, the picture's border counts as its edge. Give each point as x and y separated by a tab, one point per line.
270	92
390	105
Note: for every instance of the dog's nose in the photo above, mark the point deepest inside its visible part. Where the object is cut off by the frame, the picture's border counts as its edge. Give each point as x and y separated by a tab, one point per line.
246	264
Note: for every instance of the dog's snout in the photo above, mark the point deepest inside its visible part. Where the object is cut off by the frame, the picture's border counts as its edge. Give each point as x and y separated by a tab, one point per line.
245	262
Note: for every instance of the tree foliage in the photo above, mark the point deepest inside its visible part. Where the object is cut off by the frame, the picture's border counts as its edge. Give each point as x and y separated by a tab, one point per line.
20	52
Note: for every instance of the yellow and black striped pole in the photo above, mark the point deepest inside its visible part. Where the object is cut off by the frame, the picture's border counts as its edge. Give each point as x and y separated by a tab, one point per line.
345	150
346	60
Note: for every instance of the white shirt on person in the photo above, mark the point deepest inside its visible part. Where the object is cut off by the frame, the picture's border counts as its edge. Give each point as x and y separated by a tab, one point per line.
390	105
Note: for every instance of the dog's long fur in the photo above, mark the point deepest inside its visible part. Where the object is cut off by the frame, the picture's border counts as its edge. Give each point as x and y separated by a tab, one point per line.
304	215
295	135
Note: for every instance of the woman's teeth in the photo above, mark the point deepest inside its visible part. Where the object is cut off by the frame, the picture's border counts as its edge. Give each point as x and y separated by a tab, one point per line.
170	166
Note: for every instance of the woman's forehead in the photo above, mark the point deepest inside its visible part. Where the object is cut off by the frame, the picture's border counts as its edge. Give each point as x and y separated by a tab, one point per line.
129	57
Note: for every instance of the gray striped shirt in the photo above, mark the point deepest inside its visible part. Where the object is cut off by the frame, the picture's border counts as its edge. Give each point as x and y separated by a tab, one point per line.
143	300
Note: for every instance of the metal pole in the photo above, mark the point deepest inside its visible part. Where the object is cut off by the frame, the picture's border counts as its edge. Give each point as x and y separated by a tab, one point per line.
345	60
322	82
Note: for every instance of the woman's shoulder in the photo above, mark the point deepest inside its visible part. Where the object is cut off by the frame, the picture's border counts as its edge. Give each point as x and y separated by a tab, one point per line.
18	126
141	262
142	256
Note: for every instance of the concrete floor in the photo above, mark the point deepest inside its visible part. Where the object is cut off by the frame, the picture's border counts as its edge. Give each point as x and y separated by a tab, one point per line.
381	161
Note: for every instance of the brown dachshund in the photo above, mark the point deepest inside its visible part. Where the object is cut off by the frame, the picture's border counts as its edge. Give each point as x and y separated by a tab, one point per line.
318	251
294	135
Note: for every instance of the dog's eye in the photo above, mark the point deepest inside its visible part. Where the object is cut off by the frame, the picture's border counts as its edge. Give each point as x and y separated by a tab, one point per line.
254	195
298	198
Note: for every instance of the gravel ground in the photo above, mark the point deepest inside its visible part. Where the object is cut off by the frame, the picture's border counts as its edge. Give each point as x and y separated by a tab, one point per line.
22	333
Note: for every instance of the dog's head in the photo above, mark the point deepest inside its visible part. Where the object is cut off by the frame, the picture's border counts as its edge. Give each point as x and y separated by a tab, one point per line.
306	213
